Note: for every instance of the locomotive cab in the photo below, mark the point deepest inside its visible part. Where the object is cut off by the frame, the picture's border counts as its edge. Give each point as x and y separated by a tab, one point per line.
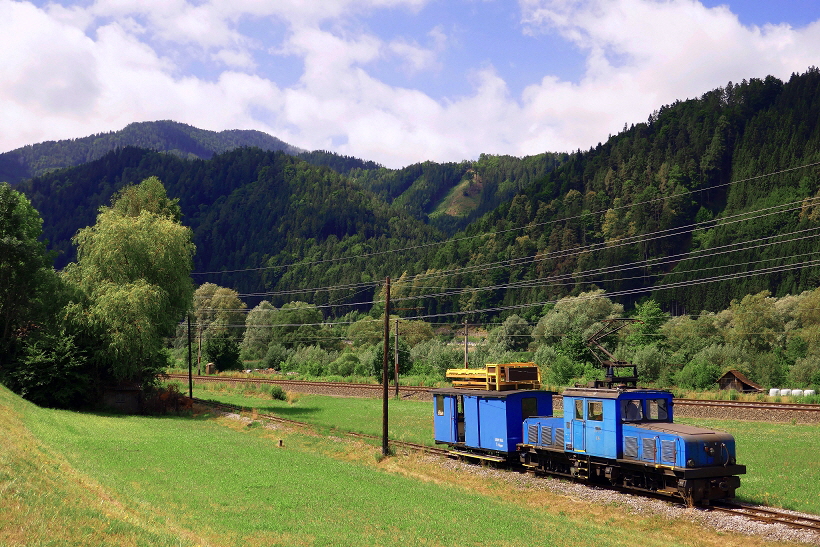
627	437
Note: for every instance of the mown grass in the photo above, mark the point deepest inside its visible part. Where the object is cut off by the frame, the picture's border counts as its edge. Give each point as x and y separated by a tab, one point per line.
208	481
45	501
782	460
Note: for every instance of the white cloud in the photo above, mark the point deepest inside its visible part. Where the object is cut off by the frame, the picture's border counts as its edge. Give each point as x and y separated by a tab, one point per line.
72	71
642	54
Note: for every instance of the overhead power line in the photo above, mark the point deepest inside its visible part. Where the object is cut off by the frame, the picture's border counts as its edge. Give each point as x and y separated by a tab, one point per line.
527	226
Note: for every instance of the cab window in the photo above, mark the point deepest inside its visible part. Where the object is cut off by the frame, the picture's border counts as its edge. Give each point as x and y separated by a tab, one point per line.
631	410
529	407
579	409
595	411
440	405
656	409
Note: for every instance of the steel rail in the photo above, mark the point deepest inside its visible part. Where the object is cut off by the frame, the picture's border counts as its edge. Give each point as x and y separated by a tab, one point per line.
756	405
343	385
768	514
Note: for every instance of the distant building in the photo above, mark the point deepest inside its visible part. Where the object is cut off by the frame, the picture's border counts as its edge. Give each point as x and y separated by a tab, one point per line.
734	379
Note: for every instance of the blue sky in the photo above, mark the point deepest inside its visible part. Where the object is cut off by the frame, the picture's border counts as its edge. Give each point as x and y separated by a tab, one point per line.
395	81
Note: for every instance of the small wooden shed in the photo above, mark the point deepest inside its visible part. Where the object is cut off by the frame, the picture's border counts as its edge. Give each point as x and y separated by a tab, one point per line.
734	379
126	398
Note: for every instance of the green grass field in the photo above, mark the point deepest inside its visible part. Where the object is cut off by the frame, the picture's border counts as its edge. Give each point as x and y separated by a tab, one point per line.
91	479
782	460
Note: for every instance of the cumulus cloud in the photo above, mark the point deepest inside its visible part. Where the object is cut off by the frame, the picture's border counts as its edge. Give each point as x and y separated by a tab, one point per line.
642	54
79	69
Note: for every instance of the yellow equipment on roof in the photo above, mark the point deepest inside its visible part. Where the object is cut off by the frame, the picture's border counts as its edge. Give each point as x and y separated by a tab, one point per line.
497	377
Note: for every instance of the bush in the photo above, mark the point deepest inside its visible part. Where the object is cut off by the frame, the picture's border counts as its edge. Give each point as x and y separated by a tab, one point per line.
224	353
562	370
805	372
277	393
377	359
434	357
308	360
698	375
275	355
345	365
650	360
512	335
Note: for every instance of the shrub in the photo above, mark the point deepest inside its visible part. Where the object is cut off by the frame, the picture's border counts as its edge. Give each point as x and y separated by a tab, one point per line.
345	365
562	370
698	375
435	357
377	359
275	355
277	393
650	360
805	372
308	360
224	353
512	335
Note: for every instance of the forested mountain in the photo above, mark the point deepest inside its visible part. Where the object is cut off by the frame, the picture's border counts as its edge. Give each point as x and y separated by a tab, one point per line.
244	206
723	185
164	136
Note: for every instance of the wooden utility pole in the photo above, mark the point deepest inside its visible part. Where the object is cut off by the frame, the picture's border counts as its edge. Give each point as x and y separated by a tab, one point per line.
385	447
466	362
199	350
190	364
396	357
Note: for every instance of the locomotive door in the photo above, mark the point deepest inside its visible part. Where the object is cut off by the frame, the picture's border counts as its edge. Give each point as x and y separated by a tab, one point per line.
578	426
459	418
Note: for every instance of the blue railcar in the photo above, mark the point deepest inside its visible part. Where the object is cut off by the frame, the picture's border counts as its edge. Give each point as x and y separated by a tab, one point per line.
616	436
485	424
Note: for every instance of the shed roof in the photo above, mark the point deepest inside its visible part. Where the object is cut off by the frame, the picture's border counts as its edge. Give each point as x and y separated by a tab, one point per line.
741	378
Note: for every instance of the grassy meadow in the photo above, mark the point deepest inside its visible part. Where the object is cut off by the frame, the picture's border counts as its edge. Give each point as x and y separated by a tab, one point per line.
782	460
71	478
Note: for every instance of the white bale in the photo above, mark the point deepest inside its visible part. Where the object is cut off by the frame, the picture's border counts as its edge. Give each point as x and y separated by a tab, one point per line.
785	392
809	392
774	392
797	393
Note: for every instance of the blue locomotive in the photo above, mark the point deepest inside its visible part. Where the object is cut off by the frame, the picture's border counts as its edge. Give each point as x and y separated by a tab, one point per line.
623	437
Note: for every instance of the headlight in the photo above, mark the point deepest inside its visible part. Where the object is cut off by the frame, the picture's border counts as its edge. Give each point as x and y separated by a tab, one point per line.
690	463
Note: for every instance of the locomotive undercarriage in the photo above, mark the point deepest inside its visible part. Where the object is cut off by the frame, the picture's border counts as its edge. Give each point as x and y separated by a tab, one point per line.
711	484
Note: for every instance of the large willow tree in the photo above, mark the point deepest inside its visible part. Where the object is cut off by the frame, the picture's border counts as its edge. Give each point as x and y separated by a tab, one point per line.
133	271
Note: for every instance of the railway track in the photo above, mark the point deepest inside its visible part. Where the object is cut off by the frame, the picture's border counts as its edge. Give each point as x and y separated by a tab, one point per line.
416	390
300	383
749	404
769	515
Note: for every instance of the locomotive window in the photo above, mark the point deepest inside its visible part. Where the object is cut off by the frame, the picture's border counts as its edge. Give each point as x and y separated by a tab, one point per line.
656	409
579	409
440	405
595	411
529	407
631	410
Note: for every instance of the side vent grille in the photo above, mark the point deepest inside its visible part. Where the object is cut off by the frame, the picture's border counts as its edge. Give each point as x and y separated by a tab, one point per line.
669	451
559	436
631	447
546	436
532	434
649	449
